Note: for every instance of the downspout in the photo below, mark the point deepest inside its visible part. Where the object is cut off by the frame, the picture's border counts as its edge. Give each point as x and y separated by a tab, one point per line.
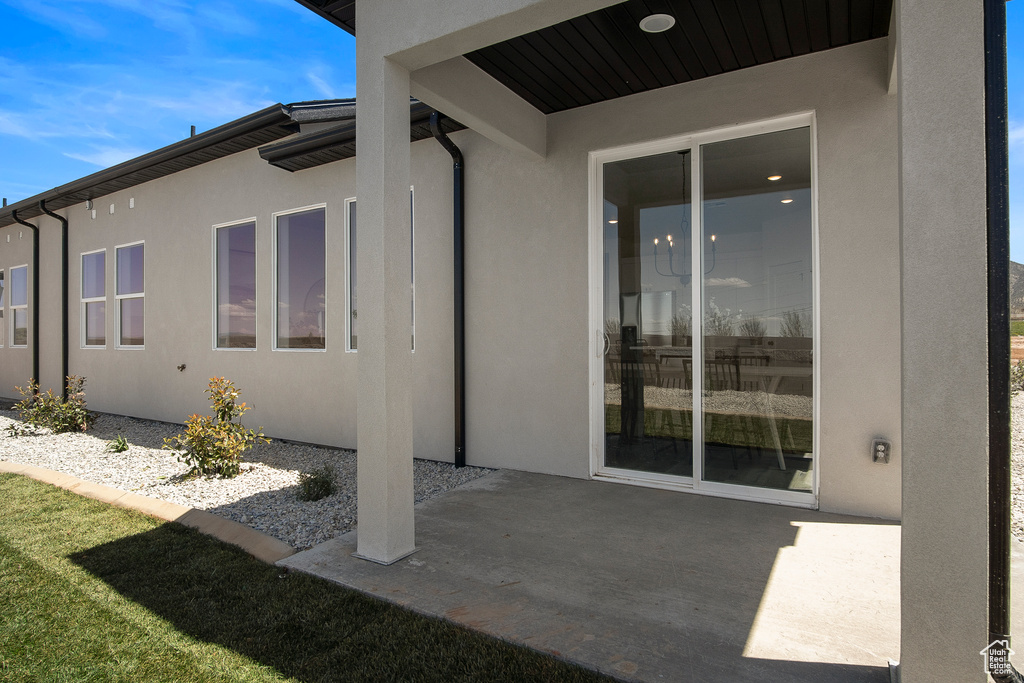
459	304
63	296
998	228
35	293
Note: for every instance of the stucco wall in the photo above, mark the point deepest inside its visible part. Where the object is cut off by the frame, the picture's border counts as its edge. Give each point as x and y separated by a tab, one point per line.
306	396
527	273
528	332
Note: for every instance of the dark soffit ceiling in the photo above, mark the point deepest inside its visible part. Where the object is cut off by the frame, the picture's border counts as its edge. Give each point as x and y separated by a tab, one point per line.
604	54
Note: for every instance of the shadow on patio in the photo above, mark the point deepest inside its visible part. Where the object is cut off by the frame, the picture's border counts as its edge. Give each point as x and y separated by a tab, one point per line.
647	584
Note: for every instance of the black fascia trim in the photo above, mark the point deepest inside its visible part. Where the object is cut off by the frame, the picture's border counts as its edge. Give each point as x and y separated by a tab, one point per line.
276	114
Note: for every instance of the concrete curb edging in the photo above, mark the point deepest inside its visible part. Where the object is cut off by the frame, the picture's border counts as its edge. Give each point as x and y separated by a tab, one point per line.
258	544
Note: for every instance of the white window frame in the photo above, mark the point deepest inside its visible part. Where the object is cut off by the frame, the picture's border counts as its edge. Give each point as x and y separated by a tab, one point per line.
693	142
350	258
91	300
275	276
213	237
118	298
14	308
4	296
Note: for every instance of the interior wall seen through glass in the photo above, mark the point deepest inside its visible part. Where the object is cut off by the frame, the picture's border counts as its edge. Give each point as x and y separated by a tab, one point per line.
301	280
236	286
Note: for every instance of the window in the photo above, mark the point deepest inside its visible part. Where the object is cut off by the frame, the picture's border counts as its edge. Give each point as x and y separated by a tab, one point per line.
19	306
350	257
94	299
2	299
235	294
300	264
131	296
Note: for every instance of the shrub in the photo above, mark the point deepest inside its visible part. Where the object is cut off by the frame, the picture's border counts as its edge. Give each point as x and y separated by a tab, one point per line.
215	444
317	484
1017	377
119	444
53	412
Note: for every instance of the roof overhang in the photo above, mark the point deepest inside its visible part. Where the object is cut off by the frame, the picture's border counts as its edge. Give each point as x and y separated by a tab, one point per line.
605	54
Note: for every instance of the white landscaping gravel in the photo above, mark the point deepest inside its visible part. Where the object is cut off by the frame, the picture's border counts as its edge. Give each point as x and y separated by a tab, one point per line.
1017	466
263	496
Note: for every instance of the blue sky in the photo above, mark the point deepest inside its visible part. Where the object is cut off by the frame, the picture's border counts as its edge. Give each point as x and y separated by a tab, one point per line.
86	84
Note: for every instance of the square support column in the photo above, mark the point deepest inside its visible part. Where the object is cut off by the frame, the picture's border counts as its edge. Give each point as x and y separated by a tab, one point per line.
944	572
384	422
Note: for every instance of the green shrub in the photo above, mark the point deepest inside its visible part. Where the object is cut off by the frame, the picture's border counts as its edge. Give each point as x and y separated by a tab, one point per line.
317	484
1017	377
215	445
53	412
118	444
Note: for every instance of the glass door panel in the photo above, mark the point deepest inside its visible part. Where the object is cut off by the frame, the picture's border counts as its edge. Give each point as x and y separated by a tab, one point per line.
757	311
648	325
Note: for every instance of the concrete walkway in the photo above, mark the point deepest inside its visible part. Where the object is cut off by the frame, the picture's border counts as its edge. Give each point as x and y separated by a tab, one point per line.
646	584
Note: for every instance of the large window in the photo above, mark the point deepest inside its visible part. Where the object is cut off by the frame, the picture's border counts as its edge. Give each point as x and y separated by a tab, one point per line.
19	306
235	295
706	297
300	265
350	258
131	296
94	299
3	299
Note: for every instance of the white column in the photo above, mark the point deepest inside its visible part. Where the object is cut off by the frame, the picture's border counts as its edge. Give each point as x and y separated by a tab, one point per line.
384	426
944	572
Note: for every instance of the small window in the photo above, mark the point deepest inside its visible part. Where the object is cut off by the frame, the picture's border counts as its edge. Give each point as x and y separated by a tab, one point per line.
235	295
131	296
300	292
350	257
19	306
94	299
3	299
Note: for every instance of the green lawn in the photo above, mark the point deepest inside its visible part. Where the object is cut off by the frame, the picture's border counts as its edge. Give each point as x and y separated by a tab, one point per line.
90	592
1016	327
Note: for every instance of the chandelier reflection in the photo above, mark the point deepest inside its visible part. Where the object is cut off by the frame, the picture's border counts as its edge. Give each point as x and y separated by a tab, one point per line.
684	276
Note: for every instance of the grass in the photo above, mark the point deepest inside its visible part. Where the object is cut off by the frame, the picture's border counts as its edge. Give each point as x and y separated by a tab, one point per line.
90	592
1016	328
796	435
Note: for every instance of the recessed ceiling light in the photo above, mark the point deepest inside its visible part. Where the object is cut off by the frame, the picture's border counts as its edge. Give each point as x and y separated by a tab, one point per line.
656	23
773	178
787	201
613	221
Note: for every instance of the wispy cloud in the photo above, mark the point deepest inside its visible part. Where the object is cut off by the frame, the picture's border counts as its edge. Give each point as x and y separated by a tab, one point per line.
1016	134
104	157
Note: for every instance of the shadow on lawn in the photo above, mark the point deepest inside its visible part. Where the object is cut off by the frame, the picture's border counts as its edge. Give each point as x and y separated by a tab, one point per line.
301	626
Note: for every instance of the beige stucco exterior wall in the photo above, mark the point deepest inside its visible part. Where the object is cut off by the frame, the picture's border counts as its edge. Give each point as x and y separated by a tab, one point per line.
527	281
529	335
305	396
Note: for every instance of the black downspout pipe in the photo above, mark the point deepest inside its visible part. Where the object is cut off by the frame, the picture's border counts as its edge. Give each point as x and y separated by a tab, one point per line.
458	168
63	296
998	228
35	293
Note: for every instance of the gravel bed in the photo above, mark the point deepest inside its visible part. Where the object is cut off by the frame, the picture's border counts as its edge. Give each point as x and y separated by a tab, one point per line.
263	496
734	402
1017	465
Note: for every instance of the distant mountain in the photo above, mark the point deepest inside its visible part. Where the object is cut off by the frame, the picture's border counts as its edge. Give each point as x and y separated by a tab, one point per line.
1016	290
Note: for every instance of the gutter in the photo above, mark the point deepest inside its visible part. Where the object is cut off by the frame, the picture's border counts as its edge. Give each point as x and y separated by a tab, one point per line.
998	235
458	167
35	294
63	296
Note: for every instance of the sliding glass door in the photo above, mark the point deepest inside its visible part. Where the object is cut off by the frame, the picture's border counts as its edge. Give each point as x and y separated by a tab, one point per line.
707	281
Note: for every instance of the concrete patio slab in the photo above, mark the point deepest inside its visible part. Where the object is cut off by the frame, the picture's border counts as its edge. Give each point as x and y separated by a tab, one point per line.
646	584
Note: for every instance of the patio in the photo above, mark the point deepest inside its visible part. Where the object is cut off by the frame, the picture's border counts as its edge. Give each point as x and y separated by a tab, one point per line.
647	584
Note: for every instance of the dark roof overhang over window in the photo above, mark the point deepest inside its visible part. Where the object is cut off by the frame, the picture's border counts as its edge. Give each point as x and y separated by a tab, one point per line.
605	54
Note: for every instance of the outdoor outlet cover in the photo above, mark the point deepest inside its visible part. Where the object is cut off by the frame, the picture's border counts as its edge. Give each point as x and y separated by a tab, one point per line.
881	450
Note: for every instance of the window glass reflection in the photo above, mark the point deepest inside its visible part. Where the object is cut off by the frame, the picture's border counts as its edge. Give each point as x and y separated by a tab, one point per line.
236	286
301	293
